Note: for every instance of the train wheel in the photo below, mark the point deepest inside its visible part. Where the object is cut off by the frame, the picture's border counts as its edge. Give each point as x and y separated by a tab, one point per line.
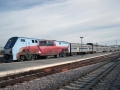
22	57
56	56
46	57
60	55
36	56
19	60
32	57
28	57
64	54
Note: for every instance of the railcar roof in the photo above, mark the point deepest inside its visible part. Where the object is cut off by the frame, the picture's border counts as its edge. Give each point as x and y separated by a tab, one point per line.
30	38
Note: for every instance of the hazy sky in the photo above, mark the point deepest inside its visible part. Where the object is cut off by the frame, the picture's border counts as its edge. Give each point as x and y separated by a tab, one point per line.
98	21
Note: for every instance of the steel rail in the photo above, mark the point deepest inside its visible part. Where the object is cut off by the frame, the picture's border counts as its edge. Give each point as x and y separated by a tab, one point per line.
101	76
27	76
89	83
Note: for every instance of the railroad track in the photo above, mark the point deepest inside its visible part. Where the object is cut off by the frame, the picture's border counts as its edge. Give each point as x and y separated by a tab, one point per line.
89	79
33	74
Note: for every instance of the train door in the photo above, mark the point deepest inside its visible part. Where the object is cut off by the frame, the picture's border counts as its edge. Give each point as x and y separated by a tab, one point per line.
90	48
43	48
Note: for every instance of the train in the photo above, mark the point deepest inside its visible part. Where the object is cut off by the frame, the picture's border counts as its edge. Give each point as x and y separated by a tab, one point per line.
22	48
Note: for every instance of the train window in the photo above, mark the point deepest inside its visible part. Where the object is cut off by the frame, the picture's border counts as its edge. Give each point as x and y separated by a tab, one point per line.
43	43
36	41
32	41
59	42
50	43
22	40
11	41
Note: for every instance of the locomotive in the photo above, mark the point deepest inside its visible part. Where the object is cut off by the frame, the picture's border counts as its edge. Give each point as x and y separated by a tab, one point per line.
22	48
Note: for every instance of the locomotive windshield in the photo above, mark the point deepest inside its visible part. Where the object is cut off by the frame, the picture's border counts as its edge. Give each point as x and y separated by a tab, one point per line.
10	43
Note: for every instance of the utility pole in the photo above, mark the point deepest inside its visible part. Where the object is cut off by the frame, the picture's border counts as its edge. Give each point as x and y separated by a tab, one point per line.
81	46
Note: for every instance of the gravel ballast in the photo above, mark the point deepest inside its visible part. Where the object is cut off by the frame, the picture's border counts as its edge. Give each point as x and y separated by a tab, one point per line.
111	81
47	82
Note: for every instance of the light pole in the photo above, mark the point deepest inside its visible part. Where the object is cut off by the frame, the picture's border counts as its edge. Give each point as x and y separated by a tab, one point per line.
116	42
81	46
116	46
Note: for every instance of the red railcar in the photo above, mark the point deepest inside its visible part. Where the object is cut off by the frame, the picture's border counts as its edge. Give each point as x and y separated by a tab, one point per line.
44	48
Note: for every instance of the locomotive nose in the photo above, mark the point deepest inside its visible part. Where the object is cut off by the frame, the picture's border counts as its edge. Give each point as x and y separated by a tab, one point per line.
8	55
8	51
7	58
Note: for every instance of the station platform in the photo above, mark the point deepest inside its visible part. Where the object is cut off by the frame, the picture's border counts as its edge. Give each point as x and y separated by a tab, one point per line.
17	67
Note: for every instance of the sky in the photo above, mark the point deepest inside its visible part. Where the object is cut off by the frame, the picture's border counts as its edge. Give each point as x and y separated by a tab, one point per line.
97	21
